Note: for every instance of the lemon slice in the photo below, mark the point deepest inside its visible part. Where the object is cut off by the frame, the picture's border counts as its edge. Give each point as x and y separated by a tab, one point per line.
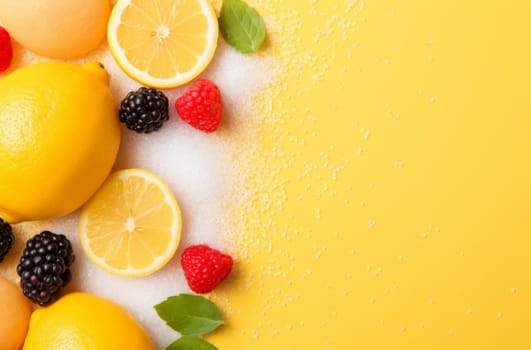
163	43
132	226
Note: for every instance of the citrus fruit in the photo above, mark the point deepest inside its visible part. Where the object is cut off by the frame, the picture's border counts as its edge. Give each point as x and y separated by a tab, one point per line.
132	225
161	43
80	321
14	317
59	138
64	29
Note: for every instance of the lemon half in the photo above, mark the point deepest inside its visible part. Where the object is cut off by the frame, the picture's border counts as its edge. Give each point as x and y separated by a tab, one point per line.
132	225
163	43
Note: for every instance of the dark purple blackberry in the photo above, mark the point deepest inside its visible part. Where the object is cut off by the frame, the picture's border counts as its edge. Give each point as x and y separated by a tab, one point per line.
6	239
144	110
43	267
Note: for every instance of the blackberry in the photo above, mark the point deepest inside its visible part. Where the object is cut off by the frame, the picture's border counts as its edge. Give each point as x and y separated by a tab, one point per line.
44	267
6	239
144	110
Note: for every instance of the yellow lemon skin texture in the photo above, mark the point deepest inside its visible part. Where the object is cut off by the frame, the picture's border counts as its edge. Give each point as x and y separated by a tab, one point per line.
58	141
80	321
15	312
57	29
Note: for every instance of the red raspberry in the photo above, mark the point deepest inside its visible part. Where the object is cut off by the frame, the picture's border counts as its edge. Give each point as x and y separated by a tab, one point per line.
6	50
201	106
204	267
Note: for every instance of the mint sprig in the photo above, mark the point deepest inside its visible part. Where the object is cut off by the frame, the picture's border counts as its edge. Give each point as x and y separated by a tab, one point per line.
192	316
242	26
190	343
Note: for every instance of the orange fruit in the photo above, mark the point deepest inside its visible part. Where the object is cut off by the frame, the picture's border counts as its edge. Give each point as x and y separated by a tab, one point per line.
15	315
62	29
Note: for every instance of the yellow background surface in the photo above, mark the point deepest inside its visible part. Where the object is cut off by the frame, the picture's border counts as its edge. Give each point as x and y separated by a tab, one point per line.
390	189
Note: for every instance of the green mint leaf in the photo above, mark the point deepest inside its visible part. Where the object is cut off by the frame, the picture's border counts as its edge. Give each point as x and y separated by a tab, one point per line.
190	314
242	26
190	343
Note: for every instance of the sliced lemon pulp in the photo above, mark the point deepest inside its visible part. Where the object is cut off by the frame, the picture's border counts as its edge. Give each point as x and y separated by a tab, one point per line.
132	225
163	43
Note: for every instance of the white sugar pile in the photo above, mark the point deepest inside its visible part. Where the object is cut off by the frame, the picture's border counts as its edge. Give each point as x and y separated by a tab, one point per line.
196	166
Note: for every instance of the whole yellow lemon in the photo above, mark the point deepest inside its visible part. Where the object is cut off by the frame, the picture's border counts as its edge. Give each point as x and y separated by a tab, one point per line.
14	317
59	138
81	321
56	28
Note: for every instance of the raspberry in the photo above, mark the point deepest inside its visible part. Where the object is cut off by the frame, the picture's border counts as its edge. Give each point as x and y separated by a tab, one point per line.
201	106
204	267
6	50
